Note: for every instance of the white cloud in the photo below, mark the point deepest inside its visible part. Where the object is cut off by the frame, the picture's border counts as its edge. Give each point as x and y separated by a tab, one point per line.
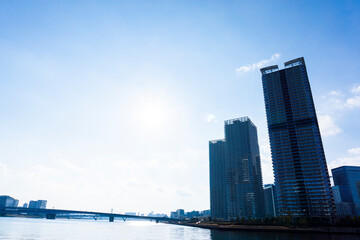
328	126
354	151
335	93
353	102
210	118
356	89
352	160
252	67
266	161
331	103
336	100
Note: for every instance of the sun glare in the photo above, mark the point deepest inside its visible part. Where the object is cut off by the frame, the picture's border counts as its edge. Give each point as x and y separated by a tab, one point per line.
152	112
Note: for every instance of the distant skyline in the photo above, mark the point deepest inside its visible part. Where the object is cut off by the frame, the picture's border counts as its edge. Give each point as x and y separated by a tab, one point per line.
111	105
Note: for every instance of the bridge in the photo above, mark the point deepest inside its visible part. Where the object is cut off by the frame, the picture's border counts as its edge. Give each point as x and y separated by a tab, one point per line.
51	214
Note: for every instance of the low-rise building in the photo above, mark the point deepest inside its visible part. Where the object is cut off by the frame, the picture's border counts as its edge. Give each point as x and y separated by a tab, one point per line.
347	190
181	214
7	201
205	213
41	204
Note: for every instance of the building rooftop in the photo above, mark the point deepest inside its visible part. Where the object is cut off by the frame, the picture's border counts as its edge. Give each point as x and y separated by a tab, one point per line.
217	140
269	69
295	62
288	64
240	119
347	168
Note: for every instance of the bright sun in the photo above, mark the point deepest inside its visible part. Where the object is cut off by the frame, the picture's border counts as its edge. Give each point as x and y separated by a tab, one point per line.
152	112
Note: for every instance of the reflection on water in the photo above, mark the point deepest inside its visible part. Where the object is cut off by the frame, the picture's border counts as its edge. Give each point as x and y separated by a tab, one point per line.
59	229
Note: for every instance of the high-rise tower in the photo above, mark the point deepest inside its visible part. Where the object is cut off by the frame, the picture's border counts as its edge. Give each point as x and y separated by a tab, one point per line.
300	170
218	204
241	169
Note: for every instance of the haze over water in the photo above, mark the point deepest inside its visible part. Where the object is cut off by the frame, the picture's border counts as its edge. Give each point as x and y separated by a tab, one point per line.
41	229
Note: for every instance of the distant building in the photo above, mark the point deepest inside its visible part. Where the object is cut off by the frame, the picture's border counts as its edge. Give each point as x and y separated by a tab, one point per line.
38	204
205	213
7	201
336	194
42	203
347	184
152	214
301	176
192	214
16	203
180	213
33	204
270	200
25	205
235	167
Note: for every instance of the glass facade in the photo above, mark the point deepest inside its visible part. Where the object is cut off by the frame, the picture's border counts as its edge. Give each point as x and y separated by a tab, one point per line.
244	180
239	174
347	181
217	179
300	169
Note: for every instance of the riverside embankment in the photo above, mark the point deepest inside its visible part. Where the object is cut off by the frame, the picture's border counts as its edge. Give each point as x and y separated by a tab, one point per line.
271	228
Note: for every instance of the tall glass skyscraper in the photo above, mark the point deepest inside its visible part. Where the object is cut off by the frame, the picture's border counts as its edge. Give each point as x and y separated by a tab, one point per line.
300	170
218	204
240	171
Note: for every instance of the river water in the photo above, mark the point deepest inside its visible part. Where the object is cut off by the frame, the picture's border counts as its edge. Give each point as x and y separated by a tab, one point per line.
61	229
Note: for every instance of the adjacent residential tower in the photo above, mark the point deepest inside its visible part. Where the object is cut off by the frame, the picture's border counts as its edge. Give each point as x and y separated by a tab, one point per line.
235	171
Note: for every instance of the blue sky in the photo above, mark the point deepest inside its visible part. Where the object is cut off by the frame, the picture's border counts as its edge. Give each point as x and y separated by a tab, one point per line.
111	104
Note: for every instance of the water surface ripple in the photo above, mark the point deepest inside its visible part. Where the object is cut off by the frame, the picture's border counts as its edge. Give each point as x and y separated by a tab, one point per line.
61	229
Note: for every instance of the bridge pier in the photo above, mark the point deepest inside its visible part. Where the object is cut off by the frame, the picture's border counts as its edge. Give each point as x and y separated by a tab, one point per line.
111	219
124	218
50	216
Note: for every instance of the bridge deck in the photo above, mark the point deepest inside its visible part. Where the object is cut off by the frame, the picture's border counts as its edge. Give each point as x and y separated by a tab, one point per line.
54	212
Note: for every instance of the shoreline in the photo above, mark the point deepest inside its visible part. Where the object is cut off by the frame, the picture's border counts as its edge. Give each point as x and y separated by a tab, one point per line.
272	228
